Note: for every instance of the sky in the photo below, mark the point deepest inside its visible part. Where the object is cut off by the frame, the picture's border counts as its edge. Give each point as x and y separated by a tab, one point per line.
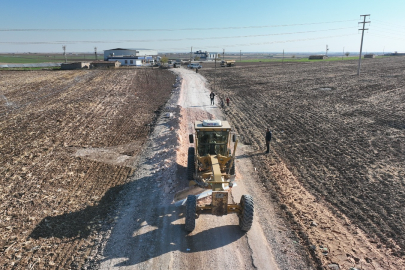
44	26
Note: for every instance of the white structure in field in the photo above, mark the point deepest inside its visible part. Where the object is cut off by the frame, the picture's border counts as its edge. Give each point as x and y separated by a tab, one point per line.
206	55
131	57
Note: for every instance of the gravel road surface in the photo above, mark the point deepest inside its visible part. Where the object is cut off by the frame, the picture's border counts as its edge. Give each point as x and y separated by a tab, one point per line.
148	231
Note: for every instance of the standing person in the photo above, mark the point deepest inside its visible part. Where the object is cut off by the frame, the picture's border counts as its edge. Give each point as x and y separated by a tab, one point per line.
227	101
268	139
212	95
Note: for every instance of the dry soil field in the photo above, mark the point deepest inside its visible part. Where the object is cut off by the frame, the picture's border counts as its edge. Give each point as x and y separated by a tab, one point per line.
69	139
336	167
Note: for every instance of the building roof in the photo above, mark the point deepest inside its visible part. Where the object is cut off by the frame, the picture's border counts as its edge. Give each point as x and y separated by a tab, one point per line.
125	57
127	49
102	62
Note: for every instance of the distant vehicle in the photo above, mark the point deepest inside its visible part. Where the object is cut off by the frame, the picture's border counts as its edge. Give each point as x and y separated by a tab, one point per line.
177	64
227	63
194	65
171	63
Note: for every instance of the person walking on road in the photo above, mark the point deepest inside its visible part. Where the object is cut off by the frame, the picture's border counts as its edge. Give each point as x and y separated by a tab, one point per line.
227	101
268	139
212	95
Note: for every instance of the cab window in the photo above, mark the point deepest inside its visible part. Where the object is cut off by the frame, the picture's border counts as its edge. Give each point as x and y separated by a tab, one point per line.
212	142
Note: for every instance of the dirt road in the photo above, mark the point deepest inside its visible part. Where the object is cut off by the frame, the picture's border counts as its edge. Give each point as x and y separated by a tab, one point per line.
148	232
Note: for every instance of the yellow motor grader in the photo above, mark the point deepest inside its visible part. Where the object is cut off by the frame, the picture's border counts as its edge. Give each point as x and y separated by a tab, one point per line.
211	166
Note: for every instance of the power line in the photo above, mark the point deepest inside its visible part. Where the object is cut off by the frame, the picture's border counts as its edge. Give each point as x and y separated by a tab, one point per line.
167	39
385	36
244	44
160	30
396	25
259	43
389	30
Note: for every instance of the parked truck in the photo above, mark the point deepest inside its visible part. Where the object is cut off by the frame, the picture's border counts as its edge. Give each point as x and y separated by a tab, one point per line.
227	63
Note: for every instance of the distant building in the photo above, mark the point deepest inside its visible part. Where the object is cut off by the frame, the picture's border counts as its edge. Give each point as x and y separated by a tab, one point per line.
212	56
206	55
398	54
76	65
131	57
130	61
370	55
317	57
105	64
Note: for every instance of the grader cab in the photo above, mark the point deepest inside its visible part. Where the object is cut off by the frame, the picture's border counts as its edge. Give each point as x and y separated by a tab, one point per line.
211	166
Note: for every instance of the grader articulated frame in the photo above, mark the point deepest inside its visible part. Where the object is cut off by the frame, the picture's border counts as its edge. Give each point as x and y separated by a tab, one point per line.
211	165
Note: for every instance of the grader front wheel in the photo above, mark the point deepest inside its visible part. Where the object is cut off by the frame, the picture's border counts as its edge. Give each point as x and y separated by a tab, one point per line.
191	207
246	217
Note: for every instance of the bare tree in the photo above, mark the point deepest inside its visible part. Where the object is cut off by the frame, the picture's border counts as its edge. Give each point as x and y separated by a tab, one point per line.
164	60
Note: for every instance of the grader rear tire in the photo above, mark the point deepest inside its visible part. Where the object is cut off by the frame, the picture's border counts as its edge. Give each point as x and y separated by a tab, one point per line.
246	217
190	164
191	207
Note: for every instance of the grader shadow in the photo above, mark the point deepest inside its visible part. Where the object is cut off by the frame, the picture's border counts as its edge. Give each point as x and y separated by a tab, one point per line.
156	227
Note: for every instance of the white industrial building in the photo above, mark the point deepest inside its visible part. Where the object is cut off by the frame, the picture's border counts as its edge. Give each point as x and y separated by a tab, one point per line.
206	55
131	57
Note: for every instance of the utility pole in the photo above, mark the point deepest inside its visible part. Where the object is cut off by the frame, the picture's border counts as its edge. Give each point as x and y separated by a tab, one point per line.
95	52
223	54
191	53
240	56
215	70
327	49
362	36
283	57
64	52
343	52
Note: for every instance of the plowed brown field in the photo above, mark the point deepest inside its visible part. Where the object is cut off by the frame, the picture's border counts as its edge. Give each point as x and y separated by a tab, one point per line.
337	158
69	140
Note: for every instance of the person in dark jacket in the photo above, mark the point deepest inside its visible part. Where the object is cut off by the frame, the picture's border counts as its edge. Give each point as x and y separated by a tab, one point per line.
268	139
212	95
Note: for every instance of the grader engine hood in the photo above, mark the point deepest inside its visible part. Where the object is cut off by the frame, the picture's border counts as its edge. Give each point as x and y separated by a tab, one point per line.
216	169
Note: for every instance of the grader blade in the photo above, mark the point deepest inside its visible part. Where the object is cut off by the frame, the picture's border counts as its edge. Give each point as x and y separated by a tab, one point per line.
200	196
182	194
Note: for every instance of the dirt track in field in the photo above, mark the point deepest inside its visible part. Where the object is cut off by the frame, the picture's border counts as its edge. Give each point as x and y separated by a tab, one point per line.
69	141
149	229
336	164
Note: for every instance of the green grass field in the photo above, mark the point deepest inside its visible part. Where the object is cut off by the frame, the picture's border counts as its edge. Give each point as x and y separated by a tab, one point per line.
31	68
289	59
59	58
44	58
